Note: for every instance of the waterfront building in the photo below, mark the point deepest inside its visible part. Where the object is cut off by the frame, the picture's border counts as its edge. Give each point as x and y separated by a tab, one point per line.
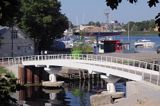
14	42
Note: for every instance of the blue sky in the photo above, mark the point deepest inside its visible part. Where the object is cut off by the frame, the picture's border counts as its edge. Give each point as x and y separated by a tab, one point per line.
83	11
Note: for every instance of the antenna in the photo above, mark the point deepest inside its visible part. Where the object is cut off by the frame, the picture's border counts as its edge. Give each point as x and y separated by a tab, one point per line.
107	24
107	17
107	13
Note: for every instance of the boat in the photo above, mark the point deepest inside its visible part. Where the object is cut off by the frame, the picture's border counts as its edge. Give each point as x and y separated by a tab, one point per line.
144	43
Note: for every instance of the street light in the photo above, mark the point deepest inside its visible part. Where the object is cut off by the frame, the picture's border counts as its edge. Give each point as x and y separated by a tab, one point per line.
13	36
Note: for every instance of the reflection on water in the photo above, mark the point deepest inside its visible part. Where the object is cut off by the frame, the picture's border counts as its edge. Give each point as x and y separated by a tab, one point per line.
73	94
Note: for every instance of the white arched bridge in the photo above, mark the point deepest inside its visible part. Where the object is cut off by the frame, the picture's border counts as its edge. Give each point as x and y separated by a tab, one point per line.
121	67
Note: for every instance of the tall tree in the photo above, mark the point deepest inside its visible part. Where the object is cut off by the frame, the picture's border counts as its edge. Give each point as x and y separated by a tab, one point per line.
114	4
43	21
9	10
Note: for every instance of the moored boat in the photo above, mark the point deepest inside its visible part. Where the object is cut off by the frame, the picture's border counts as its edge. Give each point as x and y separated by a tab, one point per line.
144	43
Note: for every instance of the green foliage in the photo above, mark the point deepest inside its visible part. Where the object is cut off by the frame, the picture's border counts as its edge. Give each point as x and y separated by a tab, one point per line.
7	85
9	11
94	23
147	26
43	20
82	48
5	71
76	51
113	4
2	70
158	21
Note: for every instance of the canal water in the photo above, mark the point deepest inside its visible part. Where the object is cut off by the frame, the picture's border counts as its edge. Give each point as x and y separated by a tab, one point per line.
73	93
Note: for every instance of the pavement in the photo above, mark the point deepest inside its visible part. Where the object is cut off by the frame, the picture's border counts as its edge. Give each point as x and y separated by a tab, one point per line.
139	94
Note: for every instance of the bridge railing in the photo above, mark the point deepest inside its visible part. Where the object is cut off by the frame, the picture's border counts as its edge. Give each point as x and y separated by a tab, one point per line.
150	77
89	57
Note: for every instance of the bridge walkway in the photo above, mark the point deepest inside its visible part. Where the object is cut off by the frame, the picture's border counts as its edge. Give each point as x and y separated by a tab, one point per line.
121	67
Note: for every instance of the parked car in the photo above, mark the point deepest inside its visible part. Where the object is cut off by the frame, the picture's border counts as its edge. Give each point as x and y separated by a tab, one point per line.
158	49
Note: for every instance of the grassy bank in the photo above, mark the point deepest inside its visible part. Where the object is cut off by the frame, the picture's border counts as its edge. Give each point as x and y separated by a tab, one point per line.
3	70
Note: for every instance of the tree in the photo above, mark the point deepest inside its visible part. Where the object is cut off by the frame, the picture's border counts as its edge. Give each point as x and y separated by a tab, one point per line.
43	21
9	10
94	23
147	25
158	21
114	4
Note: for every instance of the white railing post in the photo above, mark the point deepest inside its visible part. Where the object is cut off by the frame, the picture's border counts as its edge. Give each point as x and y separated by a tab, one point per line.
111	59
65	56
38	57
8	60
116	60
106	59
101	58
87	57
158	75
153	66
21	59
2	60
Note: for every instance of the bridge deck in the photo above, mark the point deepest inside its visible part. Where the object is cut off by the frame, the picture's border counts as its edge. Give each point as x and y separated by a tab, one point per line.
116	64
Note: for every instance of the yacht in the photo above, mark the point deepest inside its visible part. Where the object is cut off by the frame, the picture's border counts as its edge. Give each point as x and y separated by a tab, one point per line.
144	43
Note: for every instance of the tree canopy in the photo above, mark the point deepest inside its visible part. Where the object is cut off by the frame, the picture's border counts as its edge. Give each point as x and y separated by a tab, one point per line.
115	3
43	20
9	10
147	25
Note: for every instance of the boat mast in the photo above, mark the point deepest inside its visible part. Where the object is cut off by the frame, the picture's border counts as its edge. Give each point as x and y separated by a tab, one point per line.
128	31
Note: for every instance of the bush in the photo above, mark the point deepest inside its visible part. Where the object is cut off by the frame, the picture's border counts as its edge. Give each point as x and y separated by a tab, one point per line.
2	70
82	49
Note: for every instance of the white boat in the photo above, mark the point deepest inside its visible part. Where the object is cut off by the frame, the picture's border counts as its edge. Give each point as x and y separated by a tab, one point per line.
144	43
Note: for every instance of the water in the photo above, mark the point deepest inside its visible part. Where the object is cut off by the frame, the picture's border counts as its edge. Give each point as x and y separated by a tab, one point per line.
75	93
133	38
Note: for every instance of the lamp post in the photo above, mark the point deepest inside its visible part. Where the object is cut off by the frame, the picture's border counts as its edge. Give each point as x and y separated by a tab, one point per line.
128	31
13	35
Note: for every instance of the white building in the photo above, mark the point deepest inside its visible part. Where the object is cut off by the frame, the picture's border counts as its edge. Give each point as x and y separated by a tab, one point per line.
13	42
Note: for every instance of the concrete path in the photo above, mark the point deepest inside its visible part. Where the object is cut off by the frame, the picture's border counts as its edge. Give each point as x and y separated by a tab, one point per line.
139	94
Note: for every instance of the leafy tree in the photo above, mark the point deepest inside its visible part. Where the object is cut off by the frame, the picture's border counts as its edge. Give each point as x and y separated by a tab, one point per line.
94	23
114	4
148	25
91	23
158	21
43	20
9	10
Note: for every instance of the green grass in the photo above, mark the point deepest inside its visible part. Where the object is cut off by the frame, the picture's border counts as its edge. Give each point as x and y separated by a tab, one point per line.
3	70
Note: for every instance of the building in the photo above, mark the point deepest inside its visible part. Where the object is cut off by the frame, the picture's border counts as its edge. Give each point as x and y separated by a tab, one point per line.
93	28
14	42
